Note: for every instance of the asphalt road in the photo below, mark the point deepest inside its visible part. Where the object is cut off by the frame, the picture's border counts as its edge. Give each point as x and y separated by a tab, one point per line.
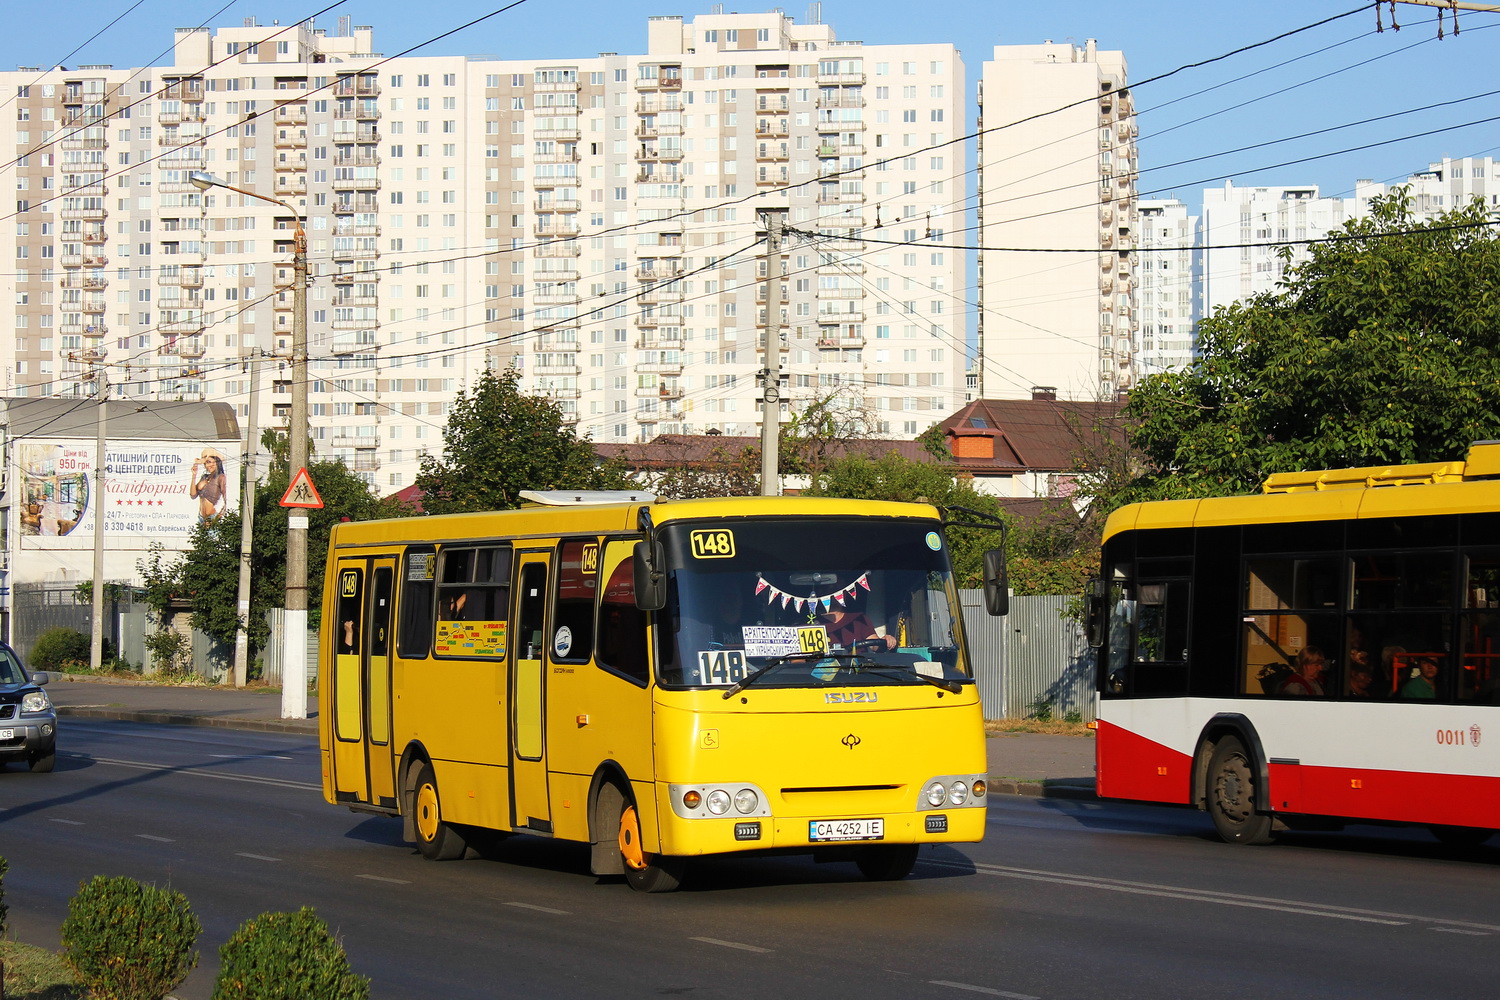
1064	899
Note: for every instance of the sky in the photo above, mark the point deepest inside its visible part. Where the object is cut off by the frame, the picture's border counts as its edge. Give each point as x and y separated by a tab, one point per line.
1325	79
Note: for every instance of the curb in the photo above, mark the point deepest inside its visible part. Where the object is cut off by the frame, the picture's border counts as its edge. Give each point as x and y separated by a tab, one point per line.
305	727
1066	788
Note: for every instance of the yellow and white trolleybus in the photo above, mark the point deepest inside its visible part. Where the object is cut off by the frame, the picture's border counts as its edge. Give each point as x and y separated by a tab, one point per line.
661	680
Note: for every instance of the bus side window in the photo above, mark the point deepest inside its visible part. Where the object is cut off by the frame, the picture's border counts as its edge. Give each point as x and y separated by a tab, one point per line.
577	590
414	627
622	626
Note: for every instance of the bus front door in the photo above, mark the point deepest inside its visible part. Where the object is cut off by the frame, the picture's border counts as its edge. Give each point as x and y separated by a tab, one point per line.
363	770
528	756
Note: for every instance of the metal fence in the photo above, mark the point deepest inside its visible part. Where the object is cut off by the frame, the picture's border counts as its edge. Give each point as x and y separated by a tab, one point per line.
1033	663
270	657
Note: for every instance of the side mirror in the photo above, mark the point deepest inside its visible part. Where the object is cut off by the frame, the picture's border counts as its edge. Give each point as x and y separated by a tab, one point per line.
1093	622
647	559
40	677
996	583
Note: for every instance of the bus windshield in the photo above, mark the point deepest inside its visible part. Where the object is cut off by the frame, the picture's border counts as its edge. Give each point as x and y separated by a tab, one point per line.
818	601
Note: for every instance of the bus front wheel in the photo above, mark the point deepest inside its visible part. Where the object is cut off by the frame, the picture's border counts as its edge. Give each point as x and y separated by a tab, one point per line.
644	871
436	840
1231	795
887	862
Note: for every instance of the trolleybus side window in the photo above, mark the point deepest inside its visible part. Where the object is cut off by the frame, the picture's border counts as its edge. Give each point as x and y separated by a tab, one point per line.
414	630
1291	603
1401	608
622	626
577	594
1479	629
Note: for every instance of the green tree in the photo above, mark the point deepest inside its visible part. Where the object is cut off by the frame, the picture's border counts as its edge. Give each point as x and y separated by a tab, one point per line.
893	477
724	473
499	441
1382	347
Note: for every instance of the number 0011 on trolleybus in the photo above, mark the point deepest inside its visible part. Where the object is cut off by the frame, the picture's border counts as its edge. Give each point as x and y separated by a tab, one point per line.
1327	650
660	680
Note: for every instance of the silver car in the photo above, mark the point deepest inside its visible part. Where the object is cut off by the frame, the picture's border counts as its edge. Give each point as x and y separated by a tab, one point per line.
28	723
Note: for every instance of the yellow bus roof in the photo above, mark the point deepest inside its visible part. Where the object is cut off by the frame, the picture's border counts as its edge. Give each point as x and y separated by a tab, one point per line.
541	520
1336	494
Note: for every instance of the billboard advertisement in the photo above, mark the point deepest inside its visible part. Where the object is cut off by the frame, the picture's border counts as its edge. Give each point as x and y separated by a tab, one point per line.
153	491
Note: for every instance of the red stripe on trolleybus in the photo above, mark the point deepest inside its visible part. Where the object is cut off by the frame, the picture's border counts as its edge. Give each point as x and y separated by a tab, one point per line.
1139	768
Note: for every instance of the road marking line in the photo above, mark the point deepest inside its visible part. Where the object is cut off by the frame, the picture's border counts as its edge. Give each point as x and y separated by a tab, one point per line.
250	756
161	840
381	878
70	822
540	909
254	857
732	944
1459	930
982	989
281	782
1213	896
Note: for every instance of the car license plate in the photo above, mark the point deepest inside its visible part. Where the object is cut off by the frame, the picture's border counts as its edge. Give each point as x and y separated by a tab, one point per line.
7	734
846	829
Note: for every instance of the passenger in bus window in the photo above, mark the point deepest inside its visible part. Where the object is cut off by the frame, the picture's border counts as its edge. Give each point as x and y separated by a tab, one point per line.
1360	680
846	627
1423	683
1308	679
348	642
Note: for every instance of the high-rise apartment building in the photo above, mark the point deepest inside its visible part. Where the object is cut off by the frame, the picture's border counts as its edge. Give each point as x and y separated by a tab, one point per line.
1445	185
1057	176
595	222
1167	279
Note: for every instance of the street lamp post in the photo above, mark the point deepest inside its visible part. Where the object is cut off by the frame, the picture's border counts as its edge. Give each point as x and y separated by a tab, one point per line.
294	633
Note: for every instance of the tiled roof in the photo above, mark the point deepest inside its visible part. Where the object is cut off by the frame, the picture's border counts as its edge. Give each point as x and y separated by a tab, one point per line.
1029	435
679	449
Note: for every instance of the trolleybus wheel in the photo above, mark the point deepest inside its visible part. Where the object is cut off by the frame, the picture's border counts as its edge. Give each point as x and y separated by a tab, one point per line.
437	840
1231	795
644	871
886	862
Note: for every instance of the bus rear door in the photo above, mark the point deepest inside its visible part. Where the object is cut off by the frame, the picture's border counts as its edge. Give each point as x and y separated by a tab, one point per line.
363	769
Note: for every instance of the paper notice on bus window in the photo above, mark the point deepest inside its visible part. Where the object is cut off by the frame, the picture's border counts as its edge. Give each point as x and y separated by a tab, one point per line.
929	668
419	566
771	640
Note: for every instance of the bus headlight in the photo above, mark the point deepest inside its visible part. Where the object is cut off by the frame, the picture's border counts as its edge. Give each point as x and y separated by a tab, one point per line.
958	793
936	794
746	801
718	802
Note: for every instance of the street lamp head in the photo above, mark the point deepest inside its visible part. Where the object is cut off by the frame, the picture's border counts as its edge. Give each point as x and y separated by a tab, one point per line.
203	180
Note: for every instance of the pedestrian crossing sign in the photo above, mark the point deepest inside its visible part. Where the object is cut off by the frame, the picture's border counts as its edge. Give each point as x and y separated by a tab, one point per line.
302	492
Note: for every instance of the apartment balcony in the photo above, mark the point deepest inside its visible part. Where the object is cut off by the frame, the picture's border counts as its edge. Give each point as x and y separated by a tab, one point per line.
661	296
771	106
555	298
559	156
92	355
659	83
832	125
96	238
650	321
288	186
362	462
357	231
187	90
843	294
353	325
80	281
556	230
555	87
559	248
558	204
290	114
568	132
86	190
842	198
356	184
194	114
347	87
569	273
841	343
351	207
87	329
357	160
668	154
177	139
776	128
656	416
181	325
657	131
361	134
841	101
652	175
291	140
552	393
343	348
830	316
355	253
357	300
840	79
772	153
572	370
364	114
669	392
297	165
85	214
356	441
652	106
661	367
840	267
70	142
93	307
190	348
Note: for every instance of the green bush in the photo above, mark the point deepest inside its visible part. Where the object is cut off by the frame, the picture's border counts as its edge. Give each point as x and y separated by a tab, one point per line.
4	910
286	956
127	940
58	648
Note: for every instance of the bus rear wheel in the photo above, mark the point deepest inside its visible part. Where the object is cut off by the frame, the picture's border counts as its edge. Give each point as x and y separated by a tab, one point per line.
887	862
1231	795
436	840
644	871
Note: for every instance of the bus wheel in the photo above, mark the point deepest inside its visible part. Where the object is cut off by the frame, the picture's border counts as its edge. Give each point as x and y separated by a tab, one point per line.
887	862
1231	795
437	841
645	872
1461	836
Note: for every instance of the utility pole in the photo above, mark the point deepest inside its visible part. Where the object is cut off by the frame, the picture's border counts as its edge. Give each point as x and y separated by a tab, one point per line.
247	527
769	378
96	500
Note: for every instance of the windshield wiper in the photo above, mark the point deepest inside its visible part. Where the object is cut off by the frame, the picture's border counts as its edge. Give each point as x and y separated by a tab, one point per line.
952	687
775	662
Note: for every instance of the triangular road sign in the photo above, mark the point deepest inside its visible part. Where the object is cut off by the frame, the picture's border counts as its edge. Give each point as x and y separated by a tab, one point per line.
302	492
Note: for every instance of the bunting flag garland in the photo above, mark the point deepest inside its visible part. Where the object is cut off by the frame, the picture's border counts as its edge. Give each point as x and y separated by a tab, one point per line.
813	602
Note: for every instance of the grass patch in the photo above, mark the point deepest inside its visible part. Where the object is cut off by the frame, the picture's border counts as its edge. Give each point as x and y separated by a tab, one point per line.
33	973
1052	727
